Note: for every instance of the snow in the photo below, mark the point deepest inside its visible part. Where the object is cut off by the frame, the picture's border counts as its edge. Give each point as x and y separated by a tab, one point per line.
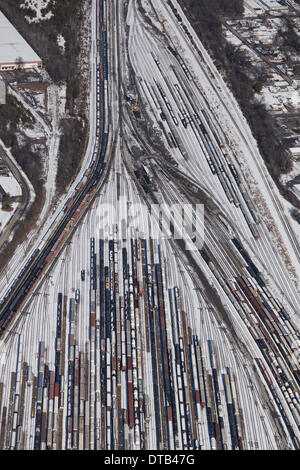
273	5
27	106
10	185
31	243
281	95
233	39
47	130
37	6
61	42
296	189
40	100
35	98
9	154
12	45
278	96
5	216
295	99
242	142
56	108
35	133
47	126
255	6
295	151
271	100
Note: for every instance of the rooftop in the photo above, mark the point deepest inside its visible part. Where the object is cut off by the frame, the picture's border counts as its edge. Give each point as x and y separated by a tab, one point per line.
12	45
10	185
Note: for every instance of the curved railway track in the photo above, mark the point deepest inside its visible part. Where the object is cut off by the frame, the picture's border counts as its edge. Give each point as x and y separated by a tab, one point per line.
40	257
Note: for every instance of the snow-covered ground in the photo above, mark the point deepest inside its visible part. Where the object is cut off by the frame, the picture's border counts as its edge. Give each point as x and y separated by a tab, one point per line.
56	109
279	95
47	126
8	152
235	127
10	185
31	242
253	7
259	7
5	216
36	8
40	324
237	42
61	42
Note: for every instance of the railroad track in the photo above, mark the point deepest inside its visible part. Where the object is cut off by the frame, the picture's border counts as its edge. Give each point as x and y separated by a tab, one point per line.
36	264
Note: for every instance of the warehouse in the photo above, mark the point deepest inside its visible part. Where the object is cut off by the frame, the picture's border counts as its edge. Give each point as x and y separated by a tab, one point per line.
15	52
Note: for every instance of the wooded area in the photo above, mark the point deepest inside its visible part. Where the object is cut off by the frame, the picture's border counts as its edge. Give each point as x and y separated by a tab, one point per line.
13	114
71	149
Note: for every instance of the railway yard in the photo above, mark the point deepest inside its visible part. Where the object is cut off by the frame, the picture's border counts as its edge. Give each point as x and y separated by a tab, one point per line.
115	334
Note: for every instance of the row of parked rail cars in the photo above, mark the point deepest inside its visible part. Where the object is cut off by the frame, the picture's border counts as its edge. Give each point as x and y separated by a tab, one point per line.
275	331
173	101
142	379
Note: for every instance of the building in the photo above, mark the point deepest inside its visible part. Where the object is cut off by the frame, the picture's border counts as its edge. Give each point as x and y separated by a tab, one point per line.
275	5
15	52
254	7
295	151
